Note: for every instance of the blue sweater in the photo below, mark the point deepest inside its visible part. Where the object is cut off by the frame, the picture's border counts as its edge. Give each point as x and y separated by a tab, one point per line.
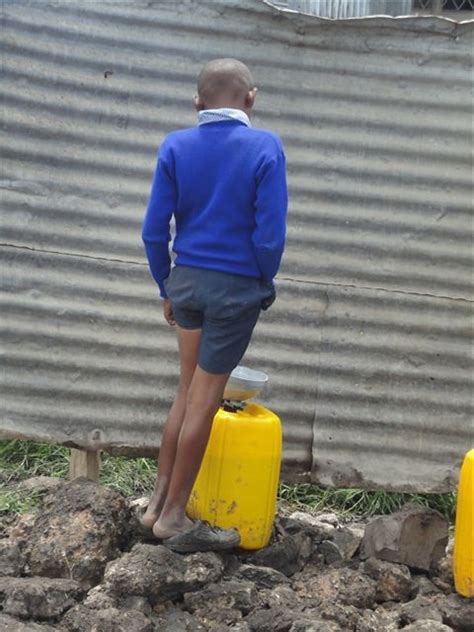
225	184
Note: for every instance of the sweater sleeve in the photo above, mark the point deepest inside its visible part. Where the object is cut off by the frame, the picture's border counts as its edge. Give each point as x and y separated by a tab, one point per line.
270	217
156	226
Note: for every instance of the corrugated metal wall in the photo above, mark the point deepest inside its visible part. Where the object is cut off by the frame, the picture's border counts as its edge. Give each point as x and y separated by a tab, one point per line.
351	8
368	347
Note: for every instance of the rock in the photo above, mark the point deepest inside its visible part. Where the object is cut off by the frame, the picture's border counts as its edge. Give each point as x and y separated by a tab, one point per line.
231	563
415	536
280	596
12	560
287	556
9	624
422	607
346	617
202	569
80	528
226	595
218	620
423	586
447	589
343	546
304	518
137	508
137	531
329	518
347	540
394	581
357	590
270	620
323	525
135	602
284	525
458	612
330	552
149	571
154	572
312	625
344	586
38	597
443	573
450	546
98	598
427	625
82	619
139	504
176	620
21	528
262	576
6	522
40	484
240	626
319	587
376	621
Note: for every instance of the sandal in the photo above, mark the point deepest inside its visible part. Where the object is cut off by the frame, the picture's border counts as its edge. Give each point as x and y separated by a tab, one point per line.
203	537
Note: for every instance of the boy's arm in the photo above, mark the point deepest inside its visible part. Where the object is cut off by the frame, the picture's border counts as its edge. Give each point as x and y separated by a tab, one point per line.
270	217
156	226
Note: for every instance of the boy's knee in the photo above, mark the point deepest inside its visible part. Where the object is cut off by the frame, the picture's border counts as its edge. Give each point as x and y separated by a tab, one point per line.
200	404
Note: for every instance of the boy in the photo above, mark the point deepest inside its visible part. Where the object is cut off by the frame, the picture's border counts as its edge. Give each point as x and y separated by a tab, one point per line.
225	184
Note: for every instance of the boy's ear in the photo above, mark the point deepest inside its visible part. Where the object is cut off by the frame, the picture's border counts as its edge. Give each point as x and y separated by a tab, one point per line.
250	97
198	103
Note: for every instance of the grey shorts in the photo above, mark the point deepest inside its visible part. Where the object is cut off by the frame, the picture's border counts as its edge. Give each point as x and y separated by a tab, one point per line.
224	306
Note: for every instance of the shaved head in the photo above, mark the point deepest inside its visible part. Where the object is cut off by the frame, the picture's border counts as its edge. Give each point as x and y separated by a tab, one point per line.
223	81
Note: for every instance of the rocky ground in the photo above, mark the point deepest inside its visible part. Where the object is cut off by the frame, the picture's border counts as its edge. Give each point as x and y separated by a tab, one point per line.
82	564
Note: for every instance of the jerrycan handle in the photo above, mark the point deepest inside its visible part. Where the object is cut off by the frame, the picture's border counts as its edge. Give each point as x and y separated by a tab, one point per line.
232	406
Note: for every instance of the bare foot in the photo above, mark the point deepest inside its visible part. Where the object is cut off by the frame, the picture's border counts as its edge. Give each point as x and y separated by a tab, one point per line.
155	504
152	513
162	529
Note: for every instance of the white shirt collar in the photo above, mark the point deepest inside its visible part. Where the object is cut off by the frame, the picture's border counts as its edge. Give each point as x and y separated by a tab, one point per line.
223	114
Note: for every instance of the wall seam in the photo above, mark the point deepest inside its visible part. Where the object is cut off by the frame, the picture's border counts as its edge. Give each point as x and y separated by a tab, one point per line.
279	278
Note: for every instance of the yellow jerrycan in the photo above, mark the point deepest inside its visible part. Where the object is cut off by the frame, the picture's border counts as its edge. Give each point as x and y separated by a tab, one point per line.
237	483
463	556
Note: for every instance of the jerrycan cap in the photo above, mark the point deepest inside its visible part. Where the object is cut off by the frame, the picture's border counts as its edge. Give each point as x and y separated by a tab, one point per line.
244	384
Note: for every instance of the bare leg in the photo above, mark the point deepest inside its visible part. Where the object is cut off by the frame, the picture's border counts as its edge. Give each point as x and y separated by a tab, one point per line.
204	398
188	343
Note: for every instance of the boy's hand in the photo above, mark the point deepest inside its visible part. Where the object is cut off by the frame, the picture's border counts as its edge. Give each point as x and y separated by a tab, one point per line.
271	296
168	312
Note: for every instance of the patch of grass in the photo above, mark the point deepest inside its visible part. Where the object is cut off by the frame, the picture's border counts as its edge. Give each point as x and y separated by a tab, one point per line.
362	502
135	477
18	501
130	476
23	459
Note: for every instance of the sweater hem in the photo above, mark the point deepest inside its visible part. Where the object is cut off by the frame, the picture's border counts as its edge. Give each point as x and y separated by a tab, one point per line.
217	267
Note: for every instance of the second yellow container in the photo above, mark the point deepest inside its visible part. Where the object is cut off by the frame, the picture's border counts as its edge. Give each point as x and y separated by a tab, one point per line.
238	481
463	556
